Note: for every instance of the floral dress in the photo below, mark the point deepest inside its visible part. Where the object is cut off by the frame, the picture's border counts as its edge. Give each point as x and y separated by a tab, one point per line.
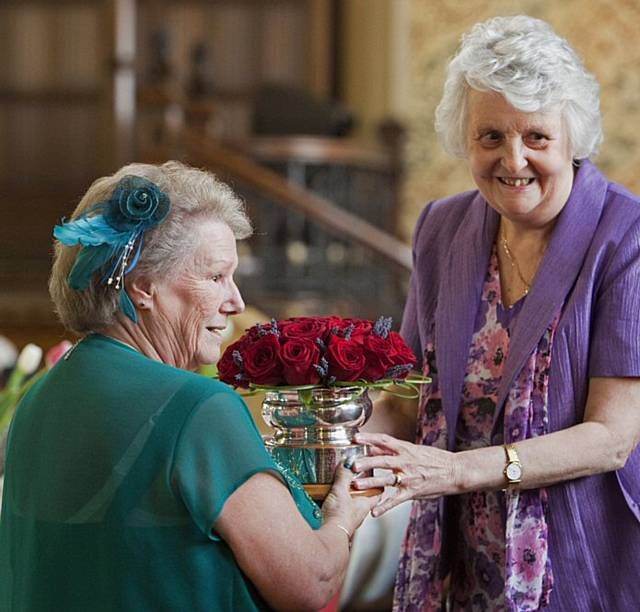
478	565
477	579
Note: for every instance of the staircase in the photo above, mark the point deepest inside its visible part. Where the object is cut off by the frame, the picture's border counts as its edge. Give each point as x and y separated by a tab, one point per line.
323	213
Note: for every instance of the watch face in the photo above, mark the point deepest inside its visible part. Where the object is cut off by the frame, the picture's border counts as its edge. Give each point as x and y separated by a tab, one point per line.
514	471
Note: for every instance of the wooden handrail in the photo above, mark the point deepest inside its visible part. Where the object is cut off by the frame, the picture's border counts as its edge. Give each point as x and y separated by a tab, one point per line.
315	149
267	182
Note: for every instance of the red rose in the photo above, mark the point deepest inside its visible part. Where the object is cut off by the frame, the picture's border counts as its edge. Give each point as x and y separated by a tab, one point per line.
298	356
359	327
262	364
379	355
304	327
229	367
346	358
401	354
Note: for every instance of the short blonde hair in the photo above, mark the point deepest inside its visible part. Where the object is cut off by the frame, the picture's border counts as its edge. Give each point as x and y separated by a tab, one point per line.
194	194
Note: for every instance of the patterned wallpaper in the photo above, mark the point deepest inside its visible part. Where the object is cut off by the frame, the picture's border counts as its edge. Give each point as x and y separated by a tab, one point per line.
605	33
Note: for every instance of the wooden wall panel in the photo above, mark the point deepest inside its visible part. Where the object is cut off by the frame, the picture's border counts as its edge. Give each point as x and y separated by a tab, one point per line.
76	35
58	124
283	32
247	44
52	142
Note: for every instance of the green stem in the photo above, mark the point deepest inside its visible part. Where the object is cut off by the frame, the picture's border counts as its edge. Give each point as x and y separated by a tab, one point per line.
410	384
15	380
7	410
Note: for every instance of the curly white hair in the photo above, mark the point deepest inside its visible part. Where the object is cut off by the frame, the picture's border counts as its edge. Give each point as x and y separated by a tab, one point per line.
536	70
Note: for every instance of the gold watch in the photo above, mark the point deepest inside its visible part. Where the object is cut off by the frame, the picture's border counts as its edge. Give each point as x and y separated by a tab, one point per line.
513	469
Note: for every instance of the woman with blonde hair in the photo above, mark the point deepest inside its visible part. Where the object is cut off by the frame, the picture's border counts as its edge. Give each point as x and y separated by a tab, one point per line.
133	483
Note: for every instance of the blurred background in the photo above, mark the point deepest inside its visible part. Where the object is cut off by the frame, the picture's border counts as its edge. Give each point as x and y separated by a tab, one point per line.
319	112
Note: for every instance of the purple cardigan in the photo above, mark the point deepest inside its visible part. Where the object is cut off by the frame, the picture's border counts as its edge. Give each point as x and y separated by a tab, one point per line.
592	266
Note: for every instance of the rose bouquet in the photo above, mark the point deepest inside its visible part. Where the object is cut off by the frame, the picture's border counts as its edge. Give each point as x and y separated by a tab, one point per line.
316	373
307	352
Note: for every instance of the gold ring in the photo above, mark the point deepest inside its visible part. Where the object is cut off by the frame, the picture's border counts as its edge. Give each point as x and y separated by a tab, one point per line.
398	480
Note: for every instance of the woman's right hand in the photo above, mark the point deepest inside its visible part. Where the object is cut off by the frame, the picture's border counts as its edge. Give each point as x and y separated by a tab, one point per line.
418	472
343	508
293	566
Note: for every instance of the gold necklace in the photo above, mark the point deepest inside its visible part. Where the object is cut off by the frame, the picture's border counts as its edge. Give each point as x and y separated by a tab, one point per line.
513	262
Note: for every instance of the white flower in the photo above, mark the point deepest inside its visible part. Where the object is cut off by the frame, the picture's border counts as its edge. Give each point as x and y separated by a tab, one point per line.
8	353
29	359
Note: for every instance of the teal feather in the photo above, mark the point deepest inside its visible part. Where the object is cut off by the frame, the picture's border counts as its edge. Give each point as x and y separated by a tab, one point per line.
126	305
104	229
100	243
90	231
88	262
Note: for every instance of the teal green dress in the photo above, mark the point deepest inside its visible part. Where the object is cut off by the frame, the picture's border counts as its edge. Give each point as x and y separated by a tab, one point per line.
117	469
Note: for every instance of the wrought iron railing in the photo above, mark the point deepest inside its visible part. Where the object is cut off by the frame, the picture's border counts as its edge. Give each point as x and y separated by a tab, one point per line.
322	212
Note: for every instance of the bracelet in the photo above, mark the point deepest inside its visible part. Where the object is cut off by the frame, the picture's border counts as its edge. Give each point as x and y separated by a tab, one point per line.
349	536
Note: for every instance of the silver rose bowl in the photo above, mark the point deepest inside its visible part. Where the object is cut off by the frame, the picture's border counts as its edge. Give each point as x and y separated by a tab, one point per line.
314	429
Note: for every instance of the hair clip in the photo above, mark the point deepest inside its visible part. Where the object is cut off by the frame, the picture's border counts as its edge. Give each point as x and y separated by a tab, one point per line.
109	233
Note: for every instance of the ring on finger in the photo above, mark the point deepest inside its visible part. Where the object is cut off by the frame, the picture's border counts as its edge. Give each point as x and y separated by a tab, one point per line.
397	482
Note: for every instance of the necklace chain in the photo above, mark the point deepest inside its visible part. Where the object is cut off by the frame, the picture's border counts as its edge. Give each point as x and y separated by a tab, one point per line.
514	263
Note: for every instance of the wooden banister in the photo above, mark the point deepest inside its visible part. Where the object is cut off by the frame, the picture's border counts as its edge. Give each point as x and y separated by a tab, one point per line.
238	166
316	149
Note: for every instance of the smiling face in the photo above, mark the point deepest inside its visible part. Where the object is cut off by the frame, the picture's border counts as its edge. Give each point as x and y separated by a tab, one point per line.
521	162
191	310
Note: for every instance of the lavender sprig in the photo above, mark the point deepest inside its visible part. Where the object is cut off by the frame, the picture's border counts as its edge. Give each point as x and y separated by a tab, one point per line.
240	377
345	332
274	328
398	371
348	331
322	369
382	327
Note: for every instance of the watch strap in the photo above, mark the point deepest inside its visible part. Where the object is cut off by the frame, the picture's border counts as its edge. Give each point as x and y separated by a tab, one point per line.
512	453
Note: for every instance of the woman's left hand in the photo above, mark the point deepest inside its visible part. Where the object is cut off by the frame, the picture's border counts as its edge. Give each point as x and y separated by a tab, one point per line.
418	472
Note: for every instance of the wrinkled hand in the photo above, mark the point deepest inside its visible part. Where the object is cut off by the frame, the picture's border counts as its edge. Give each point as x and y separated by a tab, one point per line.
347	510
418	472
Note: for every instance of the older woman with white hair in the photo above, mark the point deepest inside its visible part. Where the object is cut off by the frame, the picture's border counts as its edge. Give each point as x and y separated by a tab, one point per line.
524	309
133	483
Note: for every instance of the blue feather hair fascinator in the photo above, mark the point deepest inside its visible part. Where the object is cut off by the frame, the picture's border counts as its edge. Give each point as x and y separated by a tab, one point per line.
109	233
